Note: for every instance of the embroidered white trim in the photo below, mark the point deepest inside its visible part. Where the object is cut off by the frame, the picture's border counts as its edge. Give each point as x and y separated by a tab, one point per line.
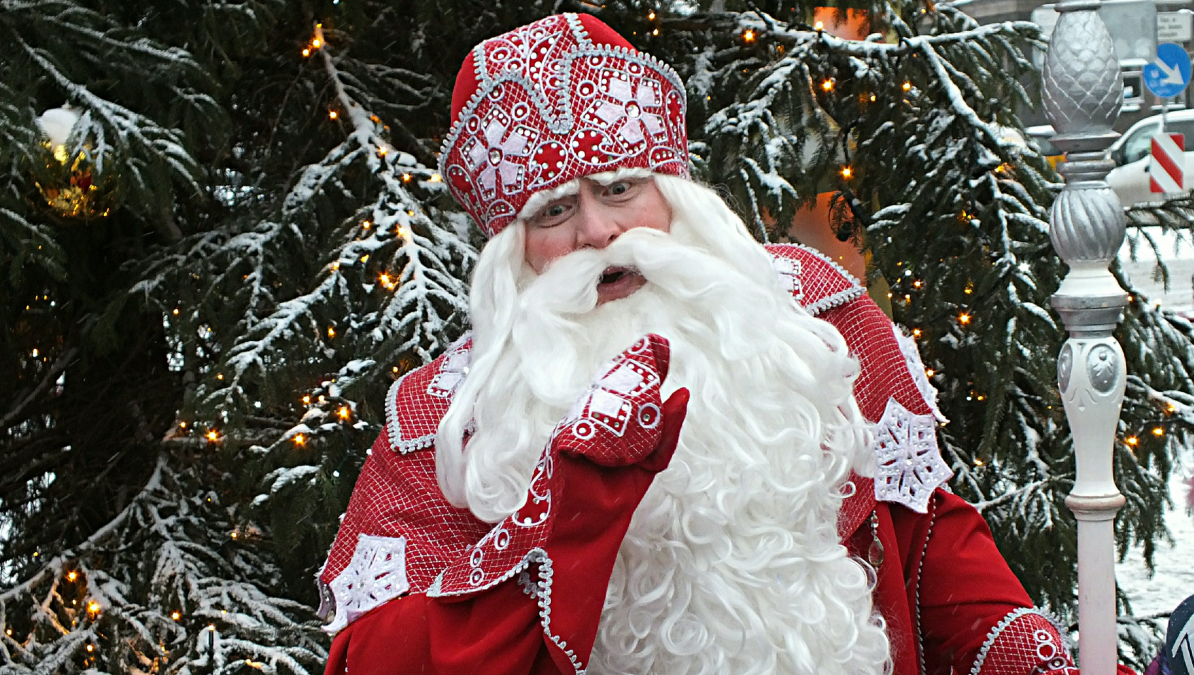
444	384
909	465
916	368
453	370
1007	621
920	578
375	575
789	276
837	299
394	429
540	590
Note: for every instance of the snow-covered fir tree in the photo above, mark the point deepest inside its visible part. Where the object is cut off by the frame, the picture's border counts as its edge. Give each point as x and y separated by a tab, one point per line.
224	237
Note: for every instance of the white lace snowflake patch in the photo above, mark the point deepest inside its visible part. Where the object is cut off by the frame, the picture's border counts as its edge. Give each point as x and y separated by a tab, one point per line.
916	368
909	464
375	575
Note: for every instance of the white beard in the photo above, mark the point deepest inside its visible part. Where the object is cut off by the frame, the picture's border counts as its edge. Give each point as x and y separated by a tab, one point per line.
732	562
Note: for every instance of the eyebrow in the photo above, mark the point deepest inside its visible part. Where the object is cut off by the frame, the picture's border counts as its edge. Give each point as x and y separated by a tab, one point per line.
541	199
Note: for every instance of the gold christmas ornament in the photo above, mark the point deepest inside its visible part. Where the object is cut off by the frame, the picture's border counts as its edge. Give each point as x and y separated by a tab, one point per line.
68	180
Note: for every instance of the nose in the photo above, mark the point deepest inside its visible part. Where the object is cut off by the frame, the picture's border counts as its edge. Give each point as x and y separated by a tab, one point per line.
596	227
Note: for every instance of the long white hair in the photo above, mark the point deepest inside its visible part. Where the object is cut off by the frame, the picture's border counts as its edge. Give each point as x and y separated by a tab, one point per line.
732	562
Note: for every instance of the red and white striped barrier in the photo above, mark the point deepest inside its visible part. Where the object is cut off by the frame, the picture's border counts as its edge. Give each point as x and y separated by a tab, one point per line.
1167	166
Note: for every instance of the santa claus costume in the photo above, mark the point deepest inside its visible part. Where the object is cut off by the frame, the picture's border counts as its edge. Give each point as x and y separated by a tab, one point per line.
733	470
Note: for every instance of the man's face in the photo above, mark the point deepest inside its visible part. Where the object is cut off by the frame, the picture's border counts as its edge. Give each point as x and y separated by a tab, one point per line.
593	218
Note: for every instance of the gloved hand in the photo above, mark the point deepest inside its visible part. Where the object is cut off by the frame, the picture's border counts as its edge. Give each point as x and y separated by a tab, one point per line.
562	543
616	421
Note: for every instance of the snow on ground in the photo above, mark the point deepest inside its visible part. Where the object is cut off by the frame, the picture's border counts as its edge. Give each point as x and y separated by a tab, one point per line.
1174	577
1178	256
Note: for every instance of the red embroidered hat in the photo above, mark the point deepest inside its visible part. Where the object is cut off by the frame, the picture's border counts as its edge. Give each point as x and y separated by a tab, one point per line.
552	101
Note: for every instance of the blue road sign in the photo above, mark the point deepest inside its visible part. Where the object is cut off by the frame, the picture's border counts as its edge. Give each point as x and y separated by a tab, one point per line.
1168	75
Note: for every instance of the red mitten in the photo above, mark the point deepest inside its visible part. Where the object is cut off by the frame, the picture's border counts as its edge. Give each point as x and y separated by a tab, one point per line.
561	544
615	422
590	524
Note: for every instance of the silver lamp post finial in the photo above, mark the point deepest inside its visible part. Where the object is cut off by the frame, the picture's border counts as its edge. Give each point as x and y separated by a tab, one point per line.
1083	90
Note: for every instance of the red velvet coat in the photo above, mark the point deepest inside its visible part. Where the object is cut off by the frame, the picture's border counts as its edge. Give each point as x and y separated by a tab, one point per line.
949	599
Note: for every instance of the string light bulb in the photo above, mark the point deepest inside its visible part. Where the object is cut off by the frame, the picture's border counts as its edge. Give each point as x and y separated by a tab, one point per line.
366	224
872	98
827	85
332	114
331	332
93	607
435	178
915	332
299	439
317	39
1132	441
847	172
907	86
930	372
1158	431
212	436
72	575
343	412
820	25
748	35
176	615
964	318
651	15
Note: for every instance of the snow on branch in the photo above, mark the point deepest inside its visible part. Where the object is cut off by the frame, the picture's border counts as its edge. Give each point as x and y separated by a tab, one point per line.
205	605
138	137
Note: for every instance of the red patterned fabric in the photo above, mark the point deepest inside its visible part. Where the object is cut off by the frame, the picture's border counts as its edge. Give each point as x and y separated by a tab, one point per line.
628	390
884	373
1024	642
398	495
558	99
816	282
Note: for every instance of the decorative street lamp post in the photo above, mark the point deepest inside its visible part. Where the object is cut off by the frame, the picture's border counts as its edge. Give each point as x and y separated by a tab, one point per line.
1083	90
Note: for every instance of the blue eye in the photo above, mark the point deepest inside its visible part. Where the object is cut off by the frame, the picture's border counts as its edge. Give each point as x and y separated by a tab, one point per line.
619	188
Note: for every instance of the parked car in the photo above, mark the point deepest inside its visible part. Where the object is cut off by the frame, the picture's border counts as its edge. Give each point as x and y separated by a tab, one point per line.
1131	152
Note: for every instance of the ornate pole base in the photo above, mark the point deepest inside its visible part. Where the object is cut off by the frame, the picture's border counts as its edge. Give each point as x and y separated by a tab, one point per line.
1098	636
1092	377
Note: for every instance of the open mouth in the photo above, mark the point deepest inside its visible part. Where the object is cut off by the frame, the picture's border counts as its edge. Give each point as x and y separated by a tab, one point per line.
614	274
